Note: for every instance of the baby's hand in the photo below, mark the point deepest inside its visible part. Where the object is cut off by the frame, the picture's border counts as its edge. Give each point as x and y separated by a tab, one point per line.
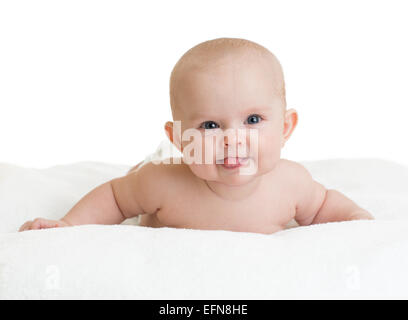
40	223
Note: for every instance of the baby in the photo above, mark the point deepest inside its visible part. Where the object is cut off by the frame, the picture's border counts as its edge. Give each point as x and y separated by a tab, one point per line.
230	91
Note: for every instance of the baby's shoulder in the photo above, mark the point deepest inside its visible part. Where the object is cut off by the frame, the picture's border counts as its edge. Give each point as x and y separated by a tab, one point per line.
293	172
162	173
146	188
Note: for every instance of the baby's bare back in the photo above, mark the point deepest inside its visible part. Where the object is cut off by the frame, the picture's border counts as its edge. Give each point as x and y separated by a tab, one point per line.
188	202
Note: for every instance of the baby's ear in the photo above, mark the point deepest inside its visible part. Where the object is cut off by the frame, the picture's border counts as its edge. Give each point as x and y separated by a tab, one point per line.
173	134
290	123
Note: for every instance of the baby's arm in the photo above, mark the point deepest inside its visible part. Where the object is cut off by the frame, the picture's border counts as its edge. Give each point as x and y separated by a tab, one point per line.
109	203
316	204
97	207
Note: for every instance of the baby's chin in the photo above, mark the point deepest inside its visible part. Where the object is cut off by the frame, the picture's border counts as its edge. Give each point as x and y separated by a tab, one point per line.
236	180
233	174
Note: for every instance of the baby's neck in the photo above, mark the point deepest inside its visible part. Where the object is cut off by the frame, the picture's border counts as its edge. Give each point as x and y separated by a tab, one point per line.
235	193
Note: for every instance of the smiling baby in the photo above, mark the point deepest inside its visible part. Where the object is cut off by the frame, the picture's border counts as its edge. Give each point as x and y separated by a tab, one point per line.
230	122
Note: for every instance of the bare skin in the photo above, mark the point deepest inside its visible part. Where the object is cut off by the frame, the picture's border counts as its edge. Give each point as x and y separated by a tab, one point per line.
236	90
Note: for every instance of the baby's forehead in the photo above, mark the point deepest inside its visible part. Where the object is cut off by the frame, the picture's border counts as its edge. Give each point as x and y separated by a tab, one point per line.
226	58
241	70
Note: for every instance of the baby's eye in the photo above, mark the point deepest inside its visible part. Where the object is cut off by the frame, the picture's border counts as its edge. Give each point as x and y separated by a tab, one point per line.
253	119
209	125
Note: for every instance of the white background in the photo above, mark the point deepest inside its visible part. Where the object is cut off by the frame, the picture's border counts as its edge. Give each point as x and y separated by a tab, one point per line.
88	80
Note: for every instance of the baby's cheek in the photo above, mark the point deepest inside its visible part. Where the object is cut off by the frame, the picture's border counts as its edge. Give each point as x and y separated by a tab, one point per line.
193	151
269	153
205	172
200	150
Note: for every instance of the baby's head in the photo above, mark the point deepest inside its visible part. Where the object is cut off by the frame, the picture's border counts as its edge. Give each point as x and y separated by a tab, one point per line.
220	86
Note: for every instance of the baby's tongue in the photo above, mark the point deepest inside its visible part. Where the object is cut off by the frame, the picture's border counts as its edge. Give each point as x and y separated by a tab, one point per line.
233	160
229	161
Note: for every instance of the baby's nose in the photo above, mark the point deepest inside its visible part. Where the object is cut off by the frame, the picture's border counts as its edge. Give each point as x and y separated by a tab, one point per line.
233	138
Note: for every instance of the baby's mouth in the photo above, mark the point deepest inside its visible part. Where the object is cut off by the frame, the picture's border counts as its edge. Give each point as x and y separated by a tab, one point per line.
232	162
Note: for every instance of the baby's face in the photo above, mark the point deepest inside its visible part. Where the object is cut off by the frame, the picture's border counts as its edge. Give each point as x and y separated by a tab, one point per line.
231	97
